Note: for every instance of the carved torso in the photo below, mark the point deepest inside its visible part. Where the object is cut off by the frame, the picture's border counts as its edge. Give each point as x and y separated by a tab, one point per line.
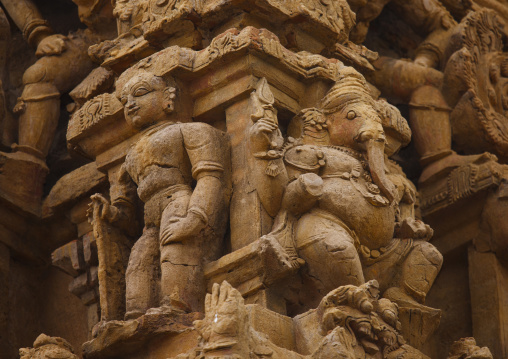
348	191
349	194
169	155
159	160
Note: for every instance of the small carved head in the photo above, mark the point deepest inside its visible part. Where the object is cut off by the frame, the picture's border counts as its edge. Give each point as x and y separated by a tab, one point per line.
148	99
46	347
466	348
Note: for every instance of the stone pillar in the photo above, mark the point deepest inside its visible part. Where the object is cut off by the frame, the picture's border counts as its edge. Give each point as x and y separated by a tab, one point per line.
4	298
488	283
249	219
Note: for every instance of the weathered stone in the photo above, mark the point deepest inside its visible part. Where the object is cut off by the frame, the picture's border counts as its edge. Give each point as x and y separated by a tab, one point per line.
247	200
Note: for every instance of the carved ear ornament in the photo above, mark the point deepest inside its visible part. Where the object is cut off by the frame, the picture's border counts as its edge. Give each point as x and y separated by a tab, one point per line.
392	119
313	117
170	94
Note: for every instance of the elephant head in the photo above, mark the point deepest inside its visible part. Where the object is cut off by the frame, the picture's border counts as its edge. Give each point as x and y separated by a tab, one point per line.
352	121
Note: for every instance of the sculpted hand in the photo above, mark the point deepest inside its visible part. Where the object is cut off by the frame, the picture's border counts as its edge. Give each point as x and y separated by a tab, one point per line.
260	134
415	229
101	207
179	229
224	316
51	46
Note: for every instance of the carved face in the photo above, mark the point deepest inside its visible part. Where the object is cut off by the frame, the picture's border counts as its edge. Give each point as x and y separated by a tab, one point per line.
147	100
353	125
357	125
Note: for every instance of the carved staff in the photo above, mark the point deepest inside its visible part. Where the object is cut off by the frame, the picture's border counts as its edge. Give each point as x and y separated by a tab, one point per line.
113	249
266	144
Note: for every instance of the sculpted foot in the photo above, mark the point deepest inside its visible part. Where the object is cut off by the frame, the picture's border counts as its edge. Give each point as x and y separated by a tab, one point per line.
133	314
403	299
164	309
27	157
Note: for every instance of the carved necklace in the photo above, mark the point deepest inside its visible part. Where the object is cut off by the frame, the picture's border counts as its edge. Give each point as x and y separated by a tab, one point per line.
372	192
349	151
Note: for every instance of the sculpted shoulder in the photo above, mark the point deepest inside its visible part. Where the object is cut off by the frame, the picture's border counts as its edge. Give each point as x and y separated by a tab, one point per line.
197	127
198	133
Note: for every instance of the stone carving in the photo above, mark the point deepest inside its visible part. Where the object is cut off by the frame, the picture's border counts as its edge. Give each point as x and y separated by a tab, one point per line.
350	322
339	163
467	348
472	63
248	149
457	103
96	111
48	347
28	19
183	225
62	65
225	330
459	107
427	17
63	62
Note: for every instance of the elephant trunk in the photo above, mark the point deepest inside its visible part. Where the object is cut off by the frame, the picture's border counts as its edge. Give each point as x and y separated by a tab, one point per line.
374	141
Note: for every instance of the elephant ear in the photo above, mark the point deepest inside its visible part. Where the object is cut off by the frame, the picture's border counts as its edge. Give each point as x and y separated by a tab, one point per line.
393	123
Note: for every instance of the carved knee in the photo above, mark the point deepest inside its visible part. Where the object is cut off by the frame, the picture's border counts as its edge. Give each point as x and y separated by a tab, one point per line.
38	72
341	247
144	251
431	253
38	87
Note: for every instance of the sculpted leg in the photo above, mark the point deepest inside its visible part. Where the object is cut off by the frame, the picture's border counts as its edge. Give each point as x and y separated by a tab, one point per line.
432	135
39	104
330	253
39	113
419	271
141	275
182	280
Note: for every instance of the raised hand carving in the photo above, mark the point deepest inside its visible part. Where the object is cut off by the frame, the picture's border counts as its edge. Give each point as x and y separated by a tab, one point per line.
225	320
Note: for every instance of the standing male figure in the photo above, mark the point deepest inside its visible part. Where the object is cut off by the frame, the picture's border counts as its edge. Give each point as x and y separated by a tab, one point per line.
184	223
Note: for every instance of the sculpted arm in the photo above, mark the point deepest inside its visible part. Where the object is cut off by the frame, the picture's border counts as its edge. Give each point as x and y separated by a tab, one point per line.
408	226
207	158
120	211
28	19
206	155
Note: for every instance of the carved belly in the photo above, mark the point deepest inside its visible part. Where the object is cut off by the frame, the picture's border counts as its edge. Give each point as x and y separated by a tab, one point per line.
373	225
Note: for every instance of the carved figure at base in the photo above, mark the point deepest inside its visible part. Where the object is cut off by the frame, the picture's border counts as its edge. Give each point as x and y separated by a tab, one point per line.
350	322
345	201
466	348
183	223
47	348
